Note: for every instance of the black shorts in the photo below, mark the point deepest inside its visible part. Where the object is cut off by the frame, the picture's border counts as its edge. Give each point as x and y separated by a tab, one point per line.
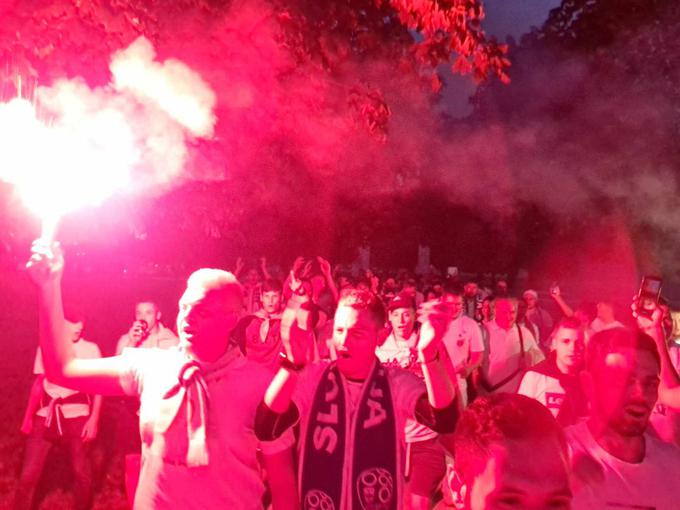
427	466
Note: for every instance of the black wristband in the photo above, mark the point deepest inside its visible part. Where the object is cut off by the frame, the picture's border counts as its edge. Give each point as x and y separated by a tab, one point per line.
287	364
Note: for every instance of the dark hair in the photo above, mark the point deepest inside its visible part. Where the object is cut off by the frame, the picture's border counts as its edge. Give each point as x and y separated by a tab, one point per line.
364	300
494	418
73	312
613	340
453	288
589	308
272	285
410	282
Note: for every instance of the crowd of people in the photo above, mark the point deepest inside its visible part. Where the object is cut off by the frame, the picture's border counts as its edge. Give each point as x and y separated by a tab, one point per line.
326	390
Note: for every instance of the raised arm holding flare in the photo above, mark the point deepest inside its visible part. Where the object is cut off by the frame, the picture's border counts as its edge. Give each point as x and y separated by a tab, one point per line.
194	454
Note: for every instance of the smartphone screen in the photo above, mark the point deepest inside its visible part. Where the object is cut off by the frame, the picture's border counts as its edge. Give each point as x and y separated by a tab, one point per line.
651	286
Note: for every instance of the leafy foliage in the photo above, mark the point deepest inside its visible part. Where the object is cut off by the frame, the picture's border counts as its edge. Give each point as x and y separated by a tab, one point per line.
76	37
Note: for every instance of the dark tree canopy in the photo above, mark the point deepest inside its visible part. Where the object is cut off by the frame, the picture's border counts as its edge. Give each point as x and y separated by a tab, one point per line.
593	104
313	97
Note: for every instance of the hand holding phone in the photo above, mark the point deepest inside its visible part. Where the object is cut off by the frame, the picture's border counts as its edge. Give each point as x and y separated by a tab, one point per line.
649	294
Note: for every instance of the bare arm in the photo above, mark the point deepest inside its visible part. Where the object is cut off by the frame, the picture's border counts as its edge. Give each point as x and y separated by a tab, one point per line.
328	276
95	376
239	267
279	394
669	388
435	318
91	426
263	267
440	390
280	468
296	342
474	362
557	297
33	403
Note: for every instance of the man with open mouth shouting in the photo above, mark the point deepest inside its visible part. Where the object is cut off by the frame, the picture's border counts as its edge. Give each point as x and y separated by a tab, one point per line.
352	411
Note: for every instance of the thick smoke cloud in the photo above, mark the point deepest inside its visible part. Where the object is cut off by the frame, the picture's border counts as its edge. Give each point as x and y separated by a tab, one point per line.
289	146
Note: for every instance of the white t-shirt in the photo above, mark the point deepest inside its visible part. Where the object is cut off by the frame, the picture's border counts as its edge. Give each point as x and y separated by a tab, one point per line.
399	351
664	420
462	338
232	479
505	354
547	390
82	349
598	325
608	482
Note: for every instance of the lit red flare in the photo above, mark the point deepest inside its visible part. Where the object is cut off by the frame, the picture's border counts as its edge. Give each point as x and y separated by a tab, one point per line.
86	143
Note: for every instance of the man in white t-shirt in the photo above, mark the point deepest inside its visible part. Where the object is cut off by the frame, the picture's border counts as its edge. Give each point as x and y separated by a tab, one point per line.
510	349
540	318
605	317
55	414
198	401
463	341
147	332
616	463
425	457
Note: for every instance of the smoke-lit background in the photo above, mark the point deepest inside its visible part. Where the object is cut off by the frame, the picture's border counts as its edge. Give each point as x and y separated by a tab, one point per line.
314	138
574	160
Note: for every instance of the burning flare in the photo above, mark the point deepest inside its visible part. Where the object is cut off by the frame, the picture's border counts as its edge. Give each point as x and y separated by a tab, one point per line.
89	142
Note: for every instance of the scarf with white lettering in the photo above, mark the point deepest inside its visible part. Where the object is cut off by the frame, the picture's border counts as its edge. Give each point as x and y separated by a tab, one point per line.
351	463
185	406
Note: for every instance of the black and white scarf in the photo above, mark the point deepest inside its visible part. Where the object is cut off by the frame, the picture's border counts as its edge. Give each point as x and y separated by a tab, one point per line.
351	463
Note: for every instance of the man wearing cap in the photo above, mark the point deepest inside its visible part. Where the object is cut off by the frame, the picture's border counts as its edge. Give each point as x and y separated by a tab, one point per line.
537	316
194	455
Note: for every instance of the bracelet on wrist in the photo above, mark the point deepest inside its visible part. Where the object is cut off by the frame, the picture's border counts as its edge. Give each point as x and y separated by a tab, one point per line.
289	365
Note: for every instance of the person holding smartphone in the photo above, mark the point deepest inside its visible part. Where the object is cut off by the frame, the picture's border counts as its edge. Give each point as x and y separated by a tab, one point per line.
147	331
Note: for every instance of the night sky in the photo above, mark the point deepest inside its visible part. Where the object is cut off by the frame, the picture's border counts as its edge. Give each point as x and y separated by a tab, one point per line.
514	17
503	18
